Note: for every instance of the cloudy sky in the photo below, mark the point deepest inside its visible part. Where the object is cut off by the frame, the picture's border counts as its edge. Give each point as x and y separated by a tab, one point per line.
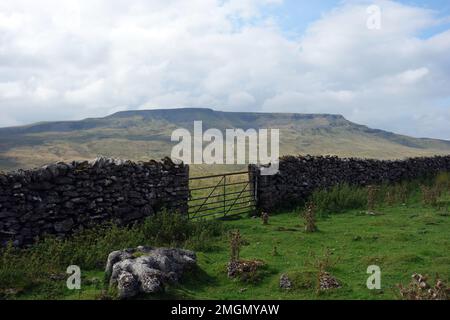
75	59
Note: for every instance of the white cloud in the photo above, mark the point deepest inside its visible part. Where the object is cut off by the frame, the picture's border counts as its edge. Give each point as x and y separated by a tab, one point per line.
388	78
10	90
241	99
72	59
412	76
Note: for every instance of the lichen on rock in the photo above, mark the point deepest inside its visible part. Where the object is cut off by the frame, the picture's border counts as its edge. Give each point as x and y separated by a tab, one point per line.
147	270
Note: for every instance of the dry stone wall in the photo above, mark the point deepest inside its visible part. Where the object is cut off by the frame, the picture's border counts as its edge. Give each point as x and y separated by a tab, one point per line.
300	176
64	197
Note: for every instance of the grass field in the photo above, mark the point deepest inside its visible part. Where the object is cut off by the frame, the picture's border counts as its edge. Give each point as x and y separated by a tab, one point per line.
401	238
401	241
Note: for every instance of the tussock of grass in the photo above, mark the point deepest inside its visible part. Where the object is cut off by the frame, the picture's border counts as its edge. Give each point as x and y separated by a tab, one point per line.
344	197
339	199
303	280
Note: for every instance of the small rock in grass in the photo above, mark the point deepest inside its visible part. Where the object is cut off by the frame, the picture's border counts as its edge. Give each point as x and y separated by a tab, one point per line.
327	281
285	282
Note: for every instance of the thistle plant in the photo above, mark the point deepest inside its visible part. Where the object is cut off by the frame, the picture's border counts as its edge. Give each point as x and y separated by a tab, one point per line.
310	218
265	218
235	245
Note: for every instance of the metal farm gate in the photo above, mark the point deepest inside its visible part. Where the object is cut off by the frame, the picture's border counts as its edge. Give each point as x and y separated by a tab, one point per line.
221	195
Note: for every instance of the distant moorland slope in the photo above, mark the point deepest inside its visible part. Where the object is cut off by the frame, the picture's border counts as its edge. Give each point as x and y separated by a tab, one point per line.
141	135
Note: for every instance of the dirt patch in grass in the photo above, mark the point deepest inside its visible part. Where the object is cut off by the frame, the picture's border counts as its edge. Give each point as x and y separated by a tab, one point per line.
284	229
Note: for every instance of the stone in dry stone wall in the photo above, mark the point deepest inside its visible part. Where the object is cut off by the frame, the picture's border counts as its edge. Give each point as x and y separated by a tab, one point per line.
64	197
299	176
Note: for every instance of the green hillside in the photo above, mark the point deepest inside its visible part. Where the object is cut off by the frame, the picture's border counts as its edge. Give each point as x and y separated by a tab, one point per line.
140	135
